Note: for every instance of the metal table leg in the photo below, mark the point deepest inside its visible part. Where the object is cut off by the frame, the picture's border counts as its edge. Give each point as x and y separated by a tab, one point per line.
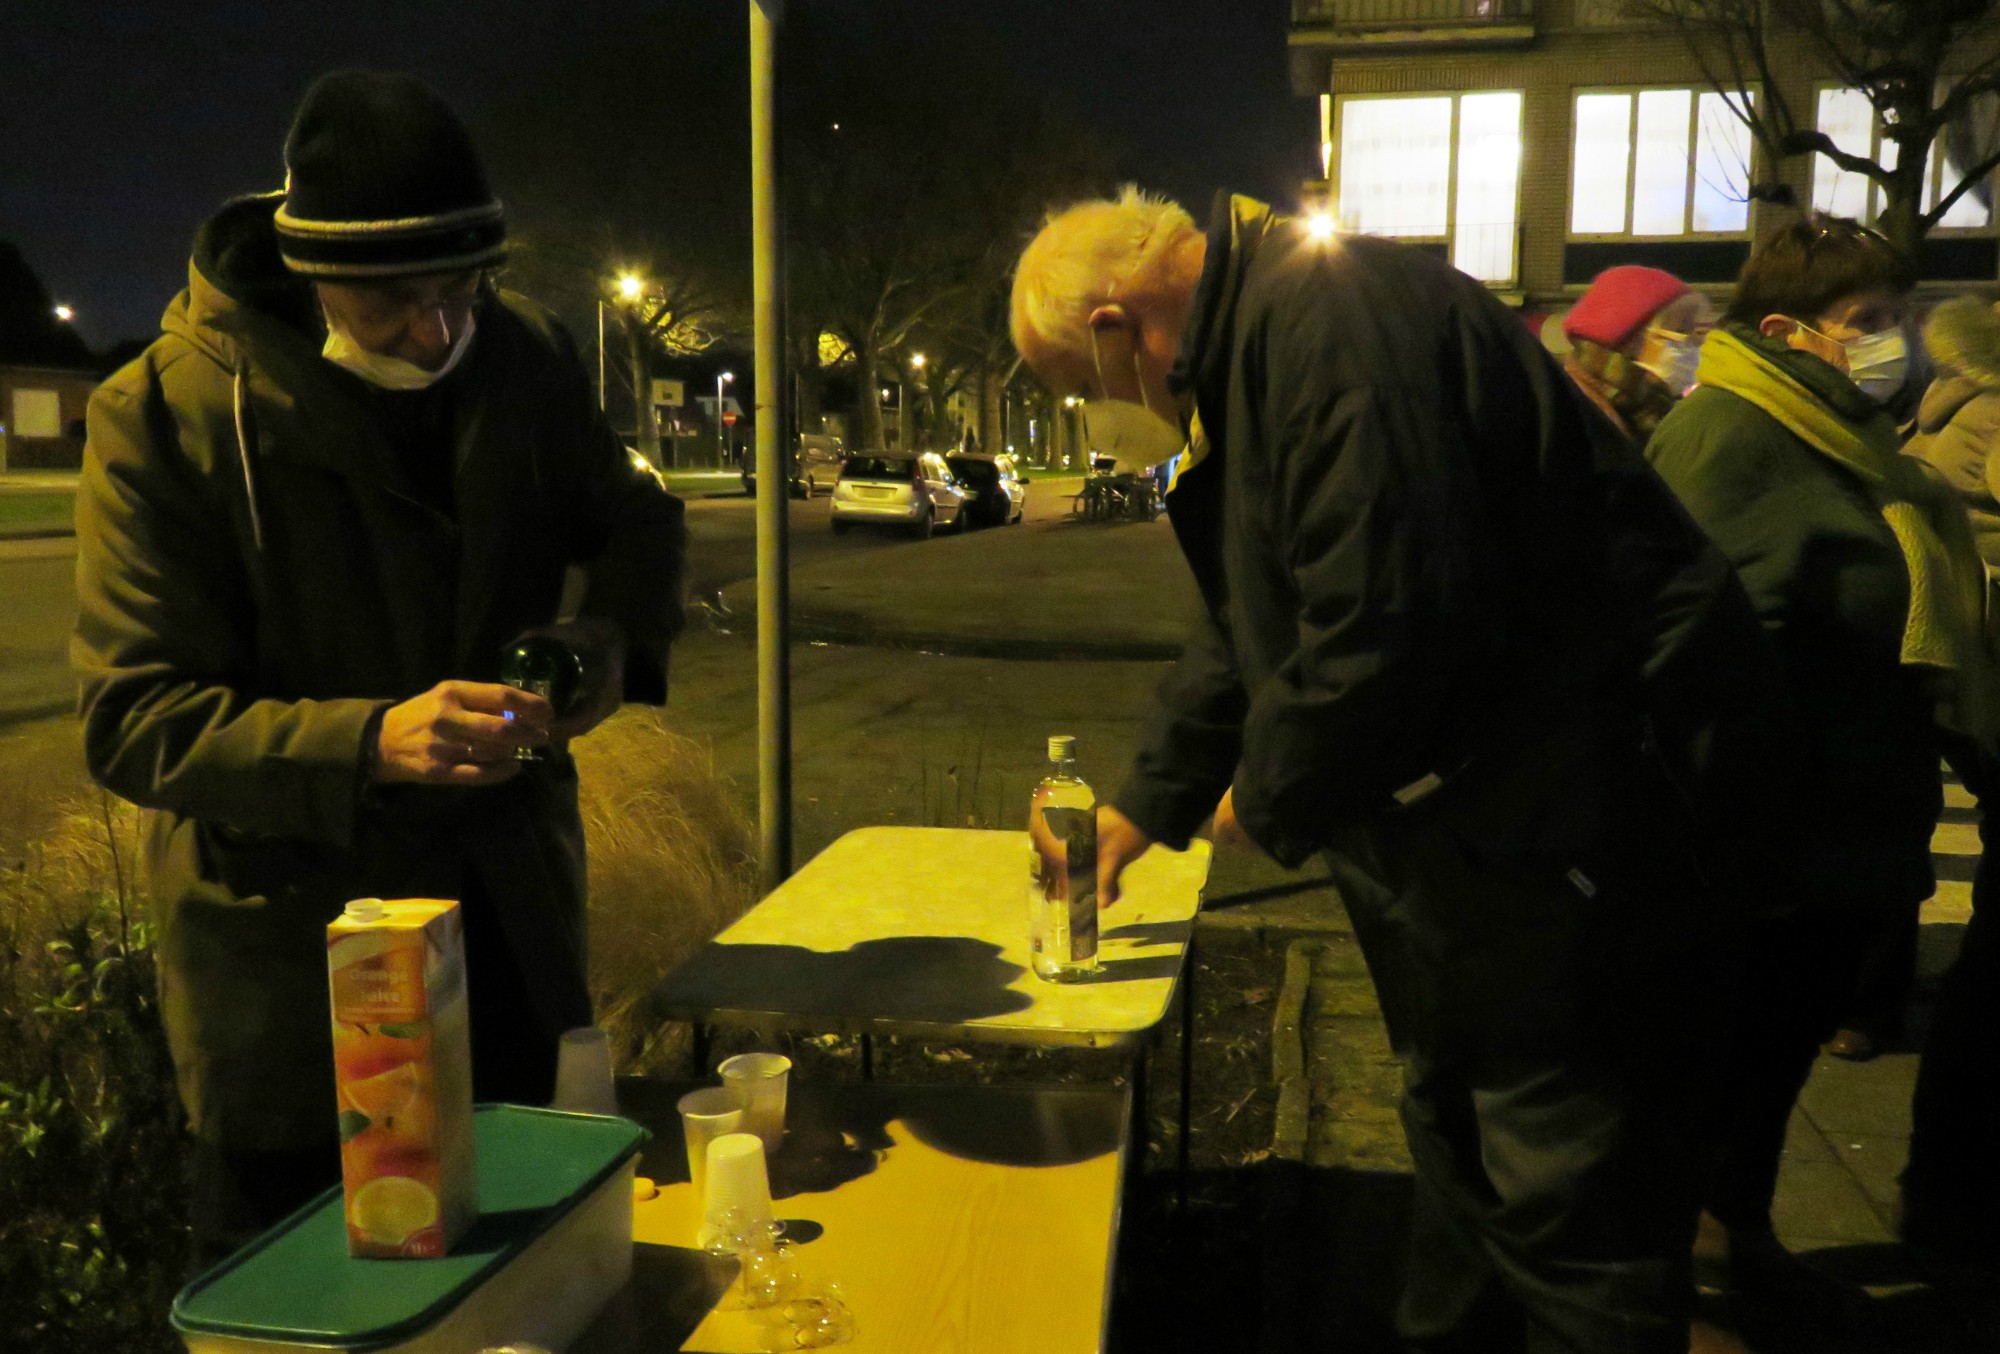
1187	1076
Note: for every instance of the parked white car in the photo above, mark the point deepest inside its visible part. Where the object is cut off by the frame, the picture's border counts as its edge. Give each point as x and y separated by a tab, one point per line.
917	493
816	461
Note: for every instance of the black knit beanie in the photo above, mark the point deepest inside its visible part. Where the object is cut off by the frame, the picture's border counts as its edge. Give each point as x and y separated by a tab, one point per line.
381	180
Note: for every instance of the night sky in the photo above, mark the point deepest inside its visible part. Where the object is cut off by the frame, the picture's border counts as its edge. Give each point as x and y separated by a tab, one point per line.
124	125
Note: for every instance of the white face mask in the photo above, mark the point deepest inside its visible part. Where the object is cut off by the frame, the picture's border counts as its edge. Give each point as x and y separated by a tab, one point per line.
380	369
1879	362
1127	429
1671	357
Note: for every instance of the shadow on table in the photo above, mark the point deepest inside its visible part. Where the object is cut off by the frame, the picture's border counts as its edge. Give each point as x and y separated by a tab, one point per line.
936	979
671	1290
838	1133
1147	932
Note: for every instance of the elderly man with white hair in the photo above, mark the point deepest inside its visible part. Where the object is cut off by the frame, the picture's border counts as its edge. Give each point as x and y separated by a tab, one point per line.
1461	639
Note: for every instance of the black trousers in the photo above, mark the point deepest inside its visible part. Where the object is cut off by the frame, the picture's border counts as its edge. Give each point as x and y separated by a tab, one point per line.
1951	1187
1548	1095
1799	978
238	1191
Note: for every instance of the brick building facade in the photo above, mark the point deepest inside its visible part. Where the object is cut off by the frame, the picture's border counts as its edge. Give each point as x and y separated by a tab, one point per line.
41	416
1433	109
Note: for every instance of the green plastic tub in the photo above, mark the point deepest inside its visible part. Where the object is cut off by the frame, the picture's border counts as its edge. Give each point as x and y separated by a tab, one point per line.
552	1244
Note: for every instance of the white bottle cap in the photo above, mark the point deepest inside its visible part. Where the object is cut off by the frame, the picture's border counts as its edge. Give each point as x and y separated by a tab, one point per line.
1062	747
365	909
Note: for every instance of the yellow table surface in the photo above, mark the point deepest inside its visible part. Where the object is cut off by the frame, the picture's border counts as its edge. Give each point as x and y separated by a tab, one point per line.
957	1219
924	932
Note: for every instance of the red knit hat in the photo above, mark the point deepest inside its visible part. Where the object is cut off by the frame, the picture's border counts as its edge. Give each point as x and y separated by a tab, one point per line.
1619	301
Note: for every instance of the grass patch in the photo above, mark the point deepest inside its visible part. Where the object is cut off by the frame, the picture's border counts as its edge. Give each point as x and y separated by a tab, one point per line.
36	513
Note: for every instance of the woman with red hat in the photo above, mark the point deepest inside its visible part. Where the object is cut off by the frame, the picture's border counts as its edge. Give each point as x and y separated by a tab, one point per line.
1633	338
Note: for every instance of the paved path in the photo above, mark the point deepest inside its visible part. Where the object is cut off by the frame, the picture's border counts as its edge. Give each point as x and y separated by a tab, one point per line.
1339	1085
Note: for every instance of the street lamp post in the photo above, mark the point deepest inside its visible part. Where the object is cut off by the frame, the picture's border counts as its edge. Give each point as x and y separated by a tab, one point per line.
721	428
630	287
909	414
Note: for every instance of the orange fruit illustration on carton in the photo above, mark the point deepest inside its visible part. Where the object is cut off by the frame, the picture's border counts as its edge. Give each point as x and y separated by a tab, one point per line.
402	1069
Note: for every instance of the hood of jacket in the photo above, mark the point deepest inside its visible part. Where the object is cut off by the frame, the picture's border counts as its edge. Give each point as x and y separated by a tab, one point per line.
239	292
1963	339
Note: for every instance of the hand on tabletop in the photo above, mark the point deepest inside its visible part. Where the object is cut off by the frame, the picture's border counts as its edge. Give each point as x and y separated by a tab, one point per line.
1120	841
459	733
1224	830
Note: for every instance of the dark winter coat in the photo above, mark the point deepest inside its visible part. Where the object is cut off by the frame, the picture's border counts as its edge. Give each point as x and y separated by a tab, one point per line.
1832	589
1426	560
259	575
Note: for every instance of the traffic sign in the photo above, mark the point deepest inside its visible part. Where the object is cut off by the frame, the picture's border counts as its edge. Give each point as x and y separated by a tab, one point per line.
728	417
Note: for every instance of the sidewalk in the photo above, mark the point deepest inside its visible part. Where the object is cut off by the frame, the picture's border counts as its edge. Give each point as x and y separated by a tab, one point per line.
1349	1169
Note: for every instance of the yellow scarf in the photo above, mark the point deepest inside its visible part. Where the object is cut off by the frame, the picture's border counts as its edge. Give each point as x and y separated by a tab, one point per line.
1945	628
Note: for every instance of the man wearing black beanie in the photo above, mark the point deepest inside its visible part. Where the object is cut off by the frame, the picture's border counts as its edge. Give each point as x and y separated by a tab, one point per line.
313	513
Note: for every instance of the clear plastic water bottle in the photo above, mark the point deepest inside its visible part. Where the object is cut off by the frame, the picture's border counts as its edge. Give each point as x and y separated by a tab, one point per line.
1062	869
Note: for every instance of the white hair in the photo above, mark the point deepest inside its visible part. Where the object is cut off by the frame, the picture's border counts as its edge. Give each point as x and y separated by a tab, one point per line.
1089	255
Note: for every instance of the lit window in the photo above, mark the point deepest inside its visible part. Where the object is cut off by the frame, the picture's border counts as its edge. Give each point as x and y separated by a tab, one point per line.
1395	166
1489	181
1436	167
1659	162
1849	121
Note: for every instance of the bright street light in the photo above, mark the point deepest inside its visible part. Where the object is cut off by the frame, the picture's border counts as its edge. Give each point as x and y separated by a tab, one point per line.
630	285
1320	226
917	361
721	428
65	314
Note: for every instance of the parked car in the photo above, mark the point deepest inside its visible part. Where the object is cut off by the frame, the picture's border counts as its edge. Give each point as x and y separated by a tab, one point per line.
638	461
915	492
998	493
816	461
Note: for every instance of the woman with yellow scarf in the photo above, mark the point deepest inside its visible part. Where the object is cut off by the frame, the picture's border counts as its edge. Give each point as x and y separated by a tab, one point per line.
1864	572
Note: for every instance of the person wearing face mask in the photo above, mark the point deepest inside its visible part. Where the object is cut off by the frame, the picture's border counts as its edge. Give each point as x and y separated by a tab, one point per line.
1864	572
1444	603
1951	1184
1634	336
312	515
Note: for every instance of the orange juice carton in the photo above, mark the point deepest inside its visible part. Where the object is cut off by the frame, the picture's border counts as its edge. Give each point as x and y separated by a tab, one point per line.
402	1058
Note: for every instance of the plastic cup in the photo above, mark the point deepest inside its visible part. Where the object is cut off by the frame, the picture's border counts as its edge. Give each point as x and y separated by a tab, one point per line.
737	1187
583	1073
705	1116
758	1081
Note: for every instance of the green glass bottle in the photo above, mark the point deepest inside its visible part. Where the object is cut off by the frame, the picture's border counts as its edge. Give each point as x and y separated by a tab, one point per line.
550	669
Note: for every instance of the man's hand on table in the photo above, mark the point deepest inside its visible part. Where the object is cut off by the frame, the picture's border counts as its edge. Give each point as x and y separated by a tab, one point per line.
459	733
1225	830
1120	841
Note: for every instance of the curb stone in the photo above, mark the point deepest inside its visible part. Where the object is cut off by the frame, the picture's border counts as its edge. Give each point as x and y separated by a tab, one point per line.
1288	1054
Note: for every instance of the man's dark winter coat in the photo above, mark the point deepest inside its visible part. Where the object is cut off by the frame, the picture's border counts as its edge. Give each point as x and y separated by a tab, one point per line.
260	574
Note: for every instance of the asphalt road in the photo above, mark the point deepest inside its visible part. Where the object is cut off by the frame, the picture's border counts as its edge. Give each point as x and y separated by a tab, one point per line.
38	600
722	533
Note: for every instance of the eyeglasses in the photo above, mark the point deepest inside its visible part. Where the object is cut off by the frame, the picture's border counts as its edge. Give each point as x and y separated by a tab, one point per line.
1840	228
